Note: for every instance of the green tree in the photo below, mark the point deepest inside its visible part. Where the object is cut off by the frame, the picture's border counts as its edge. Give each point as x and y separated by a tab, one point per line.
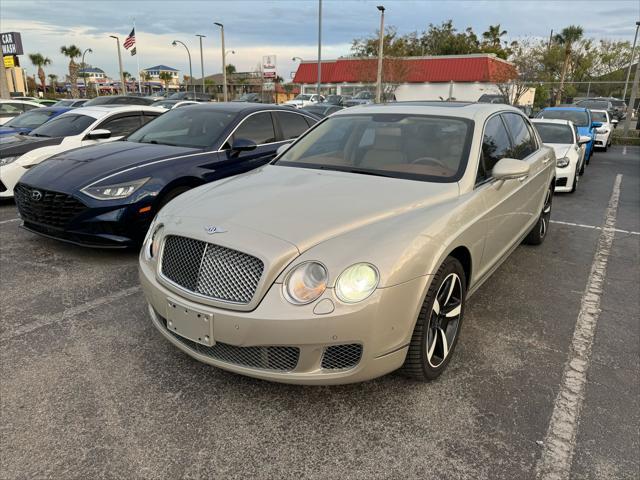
567	38
72	52
231	69
166	77
52	81
39	60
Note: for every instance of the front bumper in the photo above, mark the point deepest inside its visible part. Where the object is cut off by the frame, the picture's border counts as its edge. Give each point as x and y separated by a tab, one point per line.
80	221
9	176
564	177
381	326
602	140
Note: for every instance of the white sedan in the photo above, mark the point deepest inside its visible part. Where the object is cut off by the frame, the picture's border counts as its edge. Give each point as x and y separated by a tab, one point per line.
73	129
12	108
569	147
304	100
603	133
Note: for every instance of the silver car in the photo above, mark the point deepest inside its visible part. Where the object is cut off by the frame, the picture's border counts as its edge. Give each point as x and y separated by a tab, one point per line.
354	252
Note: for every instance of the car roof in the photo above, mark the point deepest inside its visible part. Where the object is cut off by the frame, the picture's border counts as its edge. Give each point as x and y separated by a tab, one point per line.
598	110
552	120
581	109
470	110
53	109
99	111
236	107
28	102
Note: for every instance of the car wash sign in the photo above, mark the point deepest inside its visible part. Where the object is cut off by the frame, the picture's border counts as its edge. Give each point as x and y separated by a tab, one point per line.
11	43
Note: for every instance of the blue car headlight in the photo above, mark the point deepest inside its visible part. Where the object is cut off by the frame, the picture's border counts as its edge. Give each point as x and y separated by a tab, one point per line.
115	191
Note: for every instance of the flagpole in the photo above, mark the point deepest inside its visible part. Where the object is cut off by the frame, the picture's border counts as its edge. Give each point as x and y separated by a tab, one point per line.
137	57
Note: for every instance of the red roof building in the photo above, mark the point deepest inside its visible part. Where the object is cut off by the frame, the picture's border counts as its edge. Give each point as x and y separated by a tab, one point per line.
464	77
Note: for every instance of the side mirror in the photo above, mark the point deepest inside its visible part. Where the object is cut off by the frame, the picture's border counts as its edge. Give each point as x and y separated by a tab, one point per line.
243	145
509	168
283	148
596	124
98	134
584	139
614	121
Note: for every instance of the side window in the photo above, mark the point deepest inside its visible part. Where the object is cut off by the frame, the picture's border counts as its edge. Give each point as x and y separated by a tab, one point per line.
9	108
257	128
26	107
148	116
495	146
575	129
523	143
292	125
122	125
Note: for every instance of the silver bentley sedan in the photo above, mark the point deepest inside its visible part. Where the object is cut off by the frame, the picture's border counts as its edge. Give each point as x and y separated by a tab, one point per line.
354	252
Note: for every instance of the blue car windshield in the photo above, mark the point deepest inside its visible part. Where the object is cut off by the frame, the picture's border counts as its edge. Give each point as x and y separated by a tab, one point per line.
191	126
578	117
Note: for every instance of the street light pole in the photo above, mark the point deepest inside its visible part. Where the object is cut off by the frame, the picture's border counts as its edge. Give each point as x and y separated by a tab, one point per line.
84	73
201	60
120	65
632	100
224	63
633	51
175	43
319	47
380	53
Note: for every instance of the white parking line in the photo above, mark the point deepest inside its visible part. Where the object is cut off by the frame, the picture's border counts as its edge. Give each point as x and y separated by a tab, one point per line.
9	221
560	440
44	320
617	230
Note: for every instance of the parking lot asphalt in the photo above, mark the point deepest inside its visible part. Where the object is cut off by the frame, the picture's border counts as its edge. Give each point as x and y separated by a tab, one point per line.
89	389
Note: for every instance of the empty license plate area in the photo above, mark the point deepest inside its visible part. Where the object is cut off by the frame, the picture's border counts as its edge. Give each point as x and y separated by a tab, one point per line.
190	323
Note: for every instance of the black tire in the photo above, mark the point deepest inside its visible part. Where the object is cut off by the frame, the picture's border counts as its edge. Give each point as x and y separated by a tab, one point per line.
429	353
539	231
171	195
581	172
574	187
606	147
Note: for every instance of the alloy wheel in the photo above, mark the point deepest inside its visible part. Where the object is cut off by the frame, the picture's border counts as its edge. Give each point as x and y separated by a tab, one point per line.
444	320
546	214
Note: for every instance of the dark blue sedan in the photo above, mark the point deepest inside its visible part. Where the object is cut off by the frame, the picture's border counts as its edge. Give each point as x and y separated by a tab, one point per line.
31	120
106	195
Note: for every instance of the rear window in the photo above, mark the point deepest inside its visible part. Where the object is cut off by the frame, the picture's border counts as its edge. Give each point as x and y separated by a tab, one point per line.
554	133
599	116
579	117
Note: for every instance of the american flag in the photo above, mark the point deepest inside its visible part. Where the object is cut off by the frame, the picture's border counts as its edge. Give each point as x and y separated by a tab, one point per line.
130	41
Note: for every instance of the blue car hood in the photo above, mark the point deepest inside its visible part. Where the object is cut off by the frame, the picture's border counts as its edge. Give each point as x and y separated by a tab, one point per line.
72	170
13	131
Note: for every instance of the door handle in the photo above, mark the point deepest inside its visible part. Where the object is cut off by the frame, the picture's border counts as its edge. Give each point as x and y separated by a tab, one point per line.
546	160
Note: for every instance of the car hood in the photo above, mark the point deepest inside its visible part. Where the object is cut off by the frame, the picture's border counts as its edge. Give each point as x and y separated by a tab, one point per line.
560	149
11	145
13	130
76	168
302	206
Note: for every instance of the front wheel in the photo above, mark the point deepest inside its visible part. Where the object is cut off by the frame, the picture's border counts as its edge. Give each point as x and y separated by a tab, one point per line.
436	332
574	186
539	231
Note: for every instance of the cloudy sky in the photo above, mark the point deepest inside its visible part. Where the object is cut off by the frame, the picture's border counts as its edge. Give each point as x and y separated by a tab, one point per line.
285	28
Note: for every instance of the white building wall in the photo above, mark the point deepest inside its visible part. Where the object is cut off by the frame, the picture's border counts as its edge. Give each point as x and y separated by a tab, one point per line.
468	92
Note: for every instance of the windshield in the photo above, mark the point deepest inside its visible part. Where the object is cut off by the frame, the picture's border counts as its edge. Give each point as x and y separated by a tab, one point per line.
178	96
303	97
618	103
363	95
63	126
599	116
333	98
555	133
31	119
101	100
185	127
578	117
596	104
419	147
63	103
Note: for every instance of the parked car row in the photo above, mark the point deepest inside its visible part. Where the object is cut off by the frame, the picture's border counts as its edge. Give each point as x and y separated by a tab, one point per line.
282	247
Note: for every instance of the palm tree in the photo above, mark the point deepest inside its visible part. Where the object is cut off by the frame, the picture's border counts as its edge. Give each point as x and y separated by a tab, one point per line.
166	77
52	81
145	77
493	35
39	60
72	52
568	36
126	75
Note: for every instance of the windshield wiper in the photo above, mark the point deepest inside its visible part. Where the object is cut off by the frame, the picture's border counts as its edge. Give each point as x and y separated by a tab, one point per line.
155	142
39	135
355	170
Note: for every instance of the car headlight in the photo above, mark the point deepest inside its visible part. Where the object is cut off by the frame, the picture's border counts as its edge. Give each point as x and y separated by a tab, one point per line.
8	160
562	162
152	242
602	130
357	282
112	192
305	283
